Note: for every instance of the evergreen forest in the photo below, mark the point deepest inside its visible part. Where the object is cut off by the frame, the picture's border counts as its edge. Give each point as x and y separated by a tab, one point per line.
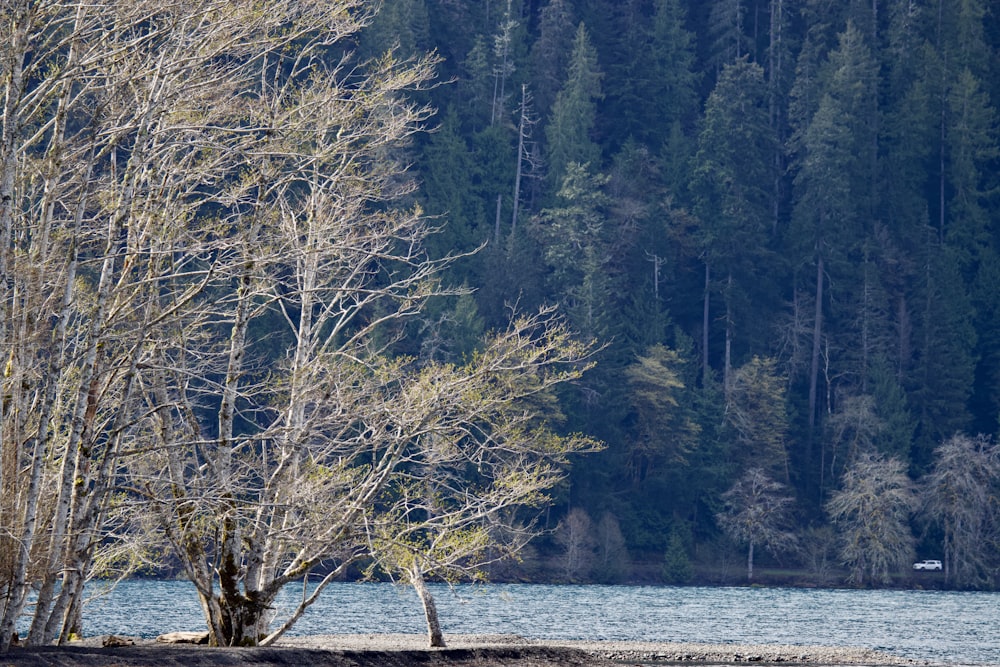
780	223
615	291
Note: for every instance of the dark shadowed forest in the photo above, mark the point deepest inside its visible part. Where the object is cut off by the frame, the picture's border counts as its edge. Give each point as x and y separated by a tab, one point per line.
779	219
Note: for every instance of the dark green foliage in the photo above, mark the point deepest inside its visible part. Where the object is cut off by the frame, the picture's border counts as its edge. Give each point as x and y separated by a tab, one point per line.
551	51
737	199
402	26
726	31
677	568
448	169
576	240
574	113
732	189
895	437
945	371
986	300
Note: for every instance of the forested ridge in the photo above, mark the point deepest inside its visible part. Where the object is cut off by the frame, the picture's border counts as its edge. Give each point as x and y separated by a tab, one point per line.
574	290
780	219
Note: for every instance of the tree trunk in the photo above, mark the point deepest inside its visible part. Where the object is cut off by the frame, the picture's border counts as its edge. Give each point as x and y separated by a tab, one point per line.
243	621
704	325
750	562
496	230
817	338
727	368
241	614
774	57
521	129
434	634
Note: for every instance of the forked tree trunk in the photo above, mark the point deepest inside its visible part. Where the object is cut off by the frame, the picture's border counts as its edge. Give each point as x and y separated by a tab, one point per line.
434	634
243	612
235	618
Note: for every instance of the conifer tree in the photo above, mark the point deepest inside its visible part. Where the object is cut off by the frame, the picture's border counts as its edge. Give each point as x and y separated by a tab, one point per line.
402	26
833	184
574	241
550	53
726	32
625	39
732	188
569	132
448	167
970	134
946	341
669	95
895	439
665	434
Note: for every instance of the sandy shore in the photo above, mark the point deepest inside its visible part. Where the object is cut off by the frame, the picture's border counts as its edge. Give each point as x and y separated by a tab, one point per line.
462	651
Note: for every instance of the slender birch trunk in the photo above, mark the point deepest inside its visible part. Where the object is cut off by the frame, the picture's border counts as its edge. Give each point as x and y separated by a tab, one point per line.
434	634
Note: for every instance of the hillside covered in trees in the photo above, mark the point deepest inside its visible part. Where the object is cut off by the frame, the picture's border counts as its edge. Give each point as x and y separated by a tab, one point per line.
564	290
781	222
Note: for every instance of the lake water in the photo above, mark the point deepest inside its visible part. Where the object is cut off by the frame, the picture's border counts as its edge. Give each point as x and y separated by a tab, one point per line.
949	627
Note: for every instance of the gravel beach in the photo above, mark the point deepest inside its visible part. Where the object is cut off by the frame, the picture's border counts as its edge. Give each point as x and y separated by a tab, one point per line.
386	650
622	651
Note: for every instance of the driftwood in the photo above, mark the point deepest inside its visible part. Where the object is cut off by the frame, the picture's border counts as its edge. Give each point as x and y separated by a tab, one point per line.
183	638
113	641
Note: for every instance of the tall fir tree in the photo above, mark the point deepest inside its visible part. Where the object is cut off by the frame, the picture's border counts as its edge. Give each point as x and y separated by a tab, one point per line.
834	182
569	132
946	342
670	94
574	238
447	169
400	25
726	32
550	52
971	146
731	186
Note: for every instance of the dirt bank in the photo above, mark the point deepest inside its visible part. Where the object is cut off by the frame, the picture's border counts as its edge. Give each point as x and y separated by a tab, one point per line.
410	651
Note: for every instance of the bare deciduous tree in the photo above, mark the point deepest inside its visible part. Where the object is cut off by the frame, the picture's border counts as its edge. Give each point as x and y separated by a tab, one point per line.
612	565
204	270
959	495
757	512
481	455
575	534
110	146
871	512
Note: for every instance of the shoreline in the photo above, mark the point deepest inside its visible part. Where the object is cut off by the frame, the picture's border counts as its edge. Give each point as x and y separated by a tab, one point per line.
397	650
623	651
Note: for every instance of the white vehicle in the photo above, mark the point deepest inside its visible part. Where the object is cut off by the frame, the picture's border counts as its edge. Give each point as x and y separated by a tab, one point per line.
927	565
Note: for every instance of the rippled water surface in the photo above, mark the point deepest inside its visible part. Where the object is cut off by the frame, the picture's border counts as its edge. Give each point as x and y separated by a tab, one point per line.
957	628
